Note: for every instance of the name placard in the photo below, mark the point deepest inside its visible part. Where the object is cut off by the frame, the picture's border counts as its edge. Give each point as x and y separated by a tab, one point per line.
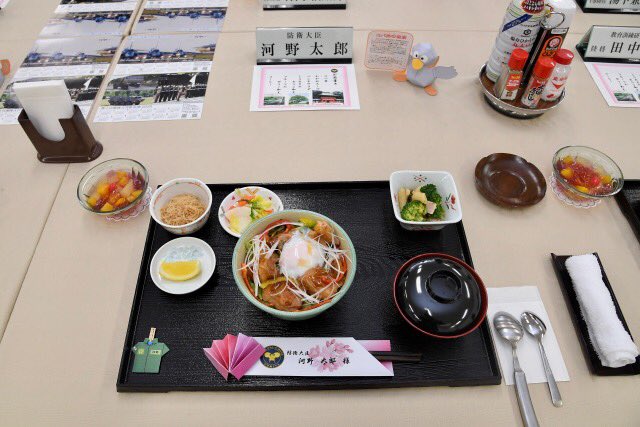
615	6
611	44
303	4
302	45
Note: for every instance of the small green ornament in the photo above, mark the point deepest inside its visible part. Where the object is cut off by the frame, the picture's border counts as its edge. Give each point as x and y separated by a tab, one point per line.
148	354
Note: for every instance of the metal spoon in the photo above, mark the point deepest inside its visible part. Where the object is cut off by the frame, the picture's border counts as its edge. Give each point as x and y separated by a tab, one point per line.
511	330
536	328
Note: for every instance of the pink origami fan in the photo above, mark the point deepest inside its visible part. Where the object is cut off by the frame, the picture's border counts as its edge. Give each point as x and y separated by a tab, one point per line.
235	355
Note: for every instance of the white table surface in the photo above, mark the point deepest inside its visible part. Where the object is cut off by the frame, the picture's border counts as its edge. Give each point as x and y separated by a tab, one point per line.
61	350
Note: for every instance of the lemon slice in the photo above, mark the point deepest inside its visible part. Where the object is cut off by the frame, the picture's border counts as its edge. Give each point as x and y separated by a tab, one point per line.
179	271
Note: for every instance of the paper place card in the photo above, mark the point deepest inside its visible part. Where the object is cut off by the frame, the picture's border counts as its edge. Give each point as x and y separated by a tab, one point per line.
388	50
619	84
317	357
515	301
304	87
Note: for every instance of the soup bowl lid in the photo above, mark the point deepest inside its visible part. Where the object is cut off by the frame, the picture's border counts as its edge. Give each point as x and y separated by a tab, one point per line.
440	295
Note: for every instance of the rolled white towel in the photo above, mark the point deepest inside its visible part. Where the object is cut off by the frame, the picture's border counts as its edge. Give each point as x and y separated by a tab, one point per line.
611	341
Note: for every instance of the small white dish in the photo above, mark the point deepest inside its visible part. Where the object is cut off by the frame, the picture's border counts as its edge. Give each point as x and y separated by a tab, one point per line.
446	187
207	266
232	198
181	186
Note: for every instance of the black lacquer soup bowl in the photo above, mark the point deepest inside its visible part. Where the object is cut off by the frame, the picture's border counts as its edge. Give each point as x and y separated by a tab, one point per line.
440	296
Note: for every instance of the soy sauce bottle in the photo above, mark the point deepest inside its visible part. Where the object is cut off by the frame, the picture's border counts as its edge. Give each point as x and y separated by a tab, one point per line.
519	29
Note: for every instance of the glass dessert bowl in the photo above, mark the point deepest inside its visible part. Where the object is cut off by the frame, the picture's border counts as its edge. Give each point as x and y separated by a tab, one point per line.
114	187
583	176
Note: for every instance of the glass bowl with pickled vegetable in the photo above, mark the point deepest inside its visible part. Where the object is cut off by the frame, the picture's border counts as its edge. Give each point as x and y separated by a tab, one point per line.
424	200
583	176
113	187
294	264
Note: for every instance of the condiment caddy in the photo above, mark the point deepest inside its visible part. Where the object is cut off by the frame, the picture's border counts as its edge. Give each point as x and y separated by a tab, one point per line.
515	108
525	74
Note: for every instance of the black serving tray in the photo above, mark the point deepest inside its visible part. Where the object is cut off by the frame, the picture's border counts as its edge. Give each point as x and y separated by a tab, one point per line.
629	201
187	323
581	326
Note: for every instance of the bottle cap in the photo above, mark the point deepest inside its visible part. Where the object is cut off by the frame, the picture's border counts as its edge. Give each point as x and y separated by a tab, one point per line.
544	67
533	6
563	56
518	59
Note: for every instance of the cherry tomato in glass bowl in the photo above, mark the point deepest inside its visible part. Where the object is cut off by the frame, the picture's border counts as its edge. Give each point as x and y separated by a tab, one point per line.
583	173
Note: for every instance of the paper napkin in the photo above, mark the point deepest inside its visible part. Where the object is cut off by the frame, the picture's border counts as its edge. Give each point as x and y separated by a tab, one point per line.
516	300
234	355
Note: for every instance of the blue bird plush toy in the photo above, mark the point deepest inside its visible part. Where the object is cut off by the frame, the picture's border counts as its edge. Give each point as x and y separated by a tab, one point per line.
422	71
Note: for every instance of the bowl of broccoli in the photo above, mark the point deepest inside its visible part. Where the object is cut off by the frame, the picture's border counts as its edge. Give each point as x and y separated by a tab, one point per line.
424	200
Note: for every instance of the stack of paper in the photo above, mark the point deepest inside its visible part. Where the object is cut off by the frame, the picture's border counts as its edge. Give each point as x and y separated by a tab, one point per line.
234	355
159	77
180	16
91	18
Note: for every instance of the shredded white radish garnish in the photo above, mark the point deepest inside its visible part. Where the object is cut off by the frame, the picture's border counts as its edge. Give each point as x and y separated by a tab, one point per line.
333	261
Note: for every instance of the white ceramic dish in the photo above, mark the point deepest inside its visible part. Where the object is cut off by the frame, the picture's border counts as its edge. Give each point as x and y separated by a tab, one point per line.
181	186
233	197
446	187
207	266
